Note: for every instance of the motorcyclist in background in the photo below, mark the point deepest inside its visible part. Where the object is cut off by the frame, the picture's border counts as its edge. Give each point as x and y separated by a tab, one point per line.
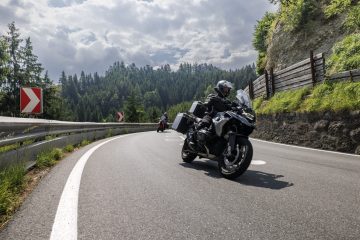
165	117
215	102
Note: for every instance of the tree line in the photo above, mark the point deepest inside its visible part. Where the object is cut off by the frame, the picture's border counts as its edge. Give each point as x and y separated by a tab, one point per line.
143	93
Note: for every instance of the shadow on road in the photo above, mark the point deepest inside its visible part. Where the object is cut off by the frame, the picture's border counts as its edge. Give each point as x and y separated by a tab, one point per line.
250	177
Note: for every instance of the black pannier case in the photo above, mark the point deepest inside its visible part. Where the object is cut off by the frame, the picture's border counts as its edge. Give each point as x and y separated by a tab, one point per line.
182	123
198	109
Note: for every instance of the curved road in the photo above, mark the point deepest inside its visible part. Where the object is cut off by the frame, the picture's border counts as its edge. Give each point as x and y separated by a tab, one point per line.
136	187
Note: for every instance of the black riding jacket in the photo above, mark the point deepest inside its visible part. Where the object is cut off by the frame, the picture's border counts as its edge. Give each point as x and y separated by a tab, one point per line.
216	103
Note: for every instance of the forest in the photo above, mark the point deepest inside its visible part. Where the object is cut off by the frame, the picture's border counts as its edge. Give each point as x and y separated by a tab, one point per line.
142	92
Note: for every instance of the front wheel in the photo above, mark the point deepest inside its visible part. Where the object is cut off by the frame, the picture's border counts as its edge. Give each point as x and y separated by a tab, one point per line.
186	154
232	165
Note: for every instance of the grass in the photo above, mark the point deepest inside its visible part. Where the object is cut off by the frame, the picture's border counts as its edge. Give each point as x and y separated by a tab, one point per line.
286	101
324	97
48	158
49	137
15	184
109	133
12	182
84	143
9	147
69	148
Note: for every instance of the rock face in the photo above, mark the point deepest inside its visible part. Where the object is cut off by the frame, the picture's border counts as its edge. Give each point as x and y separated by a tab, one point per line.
319	35
328	130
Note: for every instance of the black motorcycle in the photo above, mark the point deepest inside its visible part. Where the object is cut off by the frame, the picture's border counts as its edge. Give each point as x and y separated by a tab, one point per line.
225	141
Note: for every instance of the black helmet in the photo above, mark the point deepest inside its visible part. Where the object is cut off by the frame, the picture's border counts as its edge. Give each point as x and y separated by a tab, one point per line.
223	88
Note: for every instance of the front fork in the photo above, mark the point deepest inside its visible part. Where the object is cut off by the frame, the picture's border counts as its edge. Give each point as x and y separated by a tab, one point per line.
232	142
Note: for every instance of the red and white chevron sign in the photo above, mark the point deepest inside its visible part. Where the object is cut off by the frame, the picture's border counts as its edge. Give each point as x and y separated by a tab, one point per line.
120	116
31	100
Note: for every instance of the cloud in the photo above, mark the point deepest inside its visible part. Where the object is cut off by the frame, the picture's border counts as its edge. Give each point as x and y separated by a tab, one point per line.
90	35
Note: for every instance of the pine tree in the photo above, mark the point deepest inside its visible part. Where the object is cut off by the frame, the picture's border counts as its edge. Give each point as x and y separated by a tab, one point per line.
31	69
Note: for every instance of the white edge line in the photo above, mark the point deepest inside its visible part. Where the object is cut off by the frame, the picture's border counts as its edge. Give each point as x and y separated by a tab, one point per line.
319	150
65	223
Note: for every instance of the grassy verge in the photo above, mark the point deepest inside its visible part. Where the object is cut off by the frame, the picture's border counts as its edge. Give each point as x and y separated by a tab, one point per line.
324	97
16	183
12	183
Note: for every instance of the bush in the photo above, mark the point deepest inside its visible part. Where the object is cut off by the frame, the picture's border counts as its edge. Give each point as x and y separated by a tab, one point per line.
297	13
84	142
261	63
336	7
69	148
48	158
57	153
345	55
261	32
352	21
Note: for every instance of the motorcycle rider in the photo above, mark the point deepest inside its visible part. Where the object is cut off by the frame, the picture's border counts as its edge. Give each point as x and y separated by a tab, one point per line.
164	118
215	102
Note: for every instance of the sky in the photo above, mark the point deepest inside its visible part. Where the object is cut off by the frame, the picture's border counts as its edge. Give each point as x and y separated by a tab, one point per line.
90	35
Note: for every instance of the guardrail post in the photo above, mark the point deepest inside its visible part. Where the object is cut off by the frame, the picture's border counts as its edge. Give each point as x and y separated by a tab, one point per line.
267	84
312	62
351	76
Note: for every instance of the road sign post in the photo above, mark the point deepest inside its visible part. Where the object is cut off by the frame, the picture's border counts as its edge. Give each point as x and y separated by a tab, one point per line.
31	100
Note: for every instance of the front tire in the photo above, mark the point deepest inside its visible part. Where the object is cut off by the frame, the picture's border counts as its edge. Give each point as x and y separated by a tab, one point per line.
186	155
233	168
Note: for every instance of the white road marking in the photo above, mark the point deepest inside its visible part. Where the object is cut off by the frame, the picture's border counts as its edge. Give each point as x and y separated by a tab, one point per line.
258	162
65	223
313	149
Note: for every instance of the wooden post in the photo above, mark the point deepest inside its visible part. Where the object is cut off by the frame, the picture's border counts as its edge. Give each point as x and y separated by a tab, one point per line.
351	76
312	62
272	81
267	84
251	90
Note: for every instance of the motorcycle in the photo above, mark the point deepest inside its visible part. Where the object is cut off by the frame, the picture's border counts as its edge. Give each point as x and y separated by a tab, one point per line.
162	124
225	141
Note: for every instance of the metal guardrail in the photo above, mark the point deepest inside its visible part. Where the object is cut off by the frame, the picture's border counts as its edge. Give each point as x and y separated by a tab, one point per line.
19	130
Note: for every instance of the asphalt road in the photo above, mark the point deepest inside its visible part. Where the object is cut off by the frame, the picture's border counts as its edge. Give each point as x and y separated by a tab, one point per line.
137	187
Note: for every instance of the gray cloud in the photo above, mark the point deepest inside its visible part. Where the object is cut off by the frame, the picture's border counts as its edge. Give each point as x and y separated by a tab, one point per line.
75	35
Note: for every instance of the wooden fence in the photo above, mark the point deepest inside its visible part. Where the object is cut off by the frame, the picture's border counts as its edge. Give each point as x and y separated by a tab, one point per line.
305	73
353	75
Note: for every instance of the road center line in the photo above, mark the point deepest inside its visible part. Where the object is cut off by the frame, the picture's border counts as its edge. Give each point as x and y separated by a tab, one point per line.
65	223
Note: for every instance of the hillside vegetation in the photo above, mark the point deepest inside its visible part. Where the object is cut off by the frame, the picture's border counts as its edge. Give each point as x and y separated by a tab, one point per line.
335	97
286	37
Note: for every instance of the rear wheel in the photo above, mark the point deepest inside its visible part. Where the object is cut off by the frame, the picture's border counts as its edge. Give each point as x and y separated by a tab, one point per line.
186	154
232	165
